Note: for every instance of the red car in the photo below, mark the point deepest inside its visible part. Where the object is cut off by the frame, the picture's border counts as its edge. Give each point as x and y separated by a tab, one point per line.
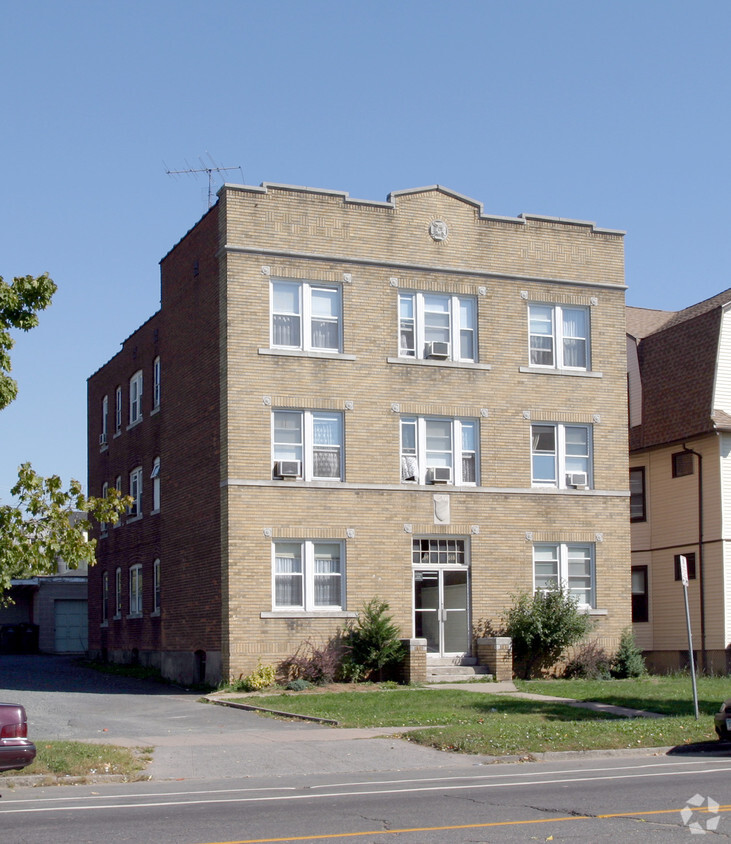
16	751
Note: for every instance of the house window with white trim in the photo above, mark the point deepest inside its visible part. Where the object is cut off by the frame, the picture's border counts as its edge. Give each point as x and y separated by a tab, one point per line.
105	597
438	450
156	375
103	525
135	490
308	575
307	444
156	586
118	593
105	421
155	477
306	316
561	455
566	565
437	326
559	336
135	398
118	410
135	590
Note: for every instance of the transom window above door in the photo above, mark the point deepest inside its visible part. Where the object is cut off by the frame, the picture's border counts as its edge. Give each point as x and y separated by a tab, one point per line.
306	316
437	326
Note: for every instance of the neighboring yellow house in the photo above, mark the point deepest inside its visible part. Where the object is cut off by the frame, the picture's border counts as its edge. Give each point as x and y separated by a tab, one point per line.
679	377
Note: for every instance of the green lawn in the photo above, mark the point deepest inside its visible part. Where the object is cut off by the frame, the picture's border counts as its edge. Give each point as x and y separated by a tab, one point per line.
667	694
479	722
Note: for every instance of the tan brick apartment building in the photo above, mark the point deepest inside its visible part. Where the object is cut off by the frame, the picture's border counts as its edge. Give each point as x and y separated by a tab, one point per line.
679	366
340	399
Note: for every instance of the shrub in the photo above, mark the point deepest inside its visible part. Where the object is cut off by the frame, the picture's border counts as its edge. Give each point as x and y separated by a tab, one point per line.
298	685
542	626
260	678
628	661
591	662
372	644
315	663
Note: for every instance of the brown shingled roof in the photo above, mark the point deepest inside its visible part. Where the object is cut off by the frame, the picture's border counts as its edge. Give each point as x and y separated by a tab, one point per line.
677	356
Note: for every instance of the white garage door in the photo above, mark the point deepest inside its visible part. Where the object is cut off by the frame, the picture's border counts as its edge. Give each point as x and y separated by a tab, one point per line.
71	626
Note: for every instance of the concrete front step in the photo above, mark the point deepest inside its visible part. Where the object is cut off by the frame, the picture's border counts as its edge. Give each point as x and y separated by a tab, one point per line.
436	673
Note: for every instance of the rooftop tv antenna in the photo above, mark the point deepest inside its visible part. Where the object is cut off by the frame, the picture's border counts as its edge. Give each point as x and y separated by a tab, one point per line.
204	168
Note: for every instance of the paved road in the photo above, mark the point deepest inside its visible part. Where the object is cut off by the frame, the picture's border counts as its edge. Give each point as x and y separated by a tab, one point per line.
630	800
192	739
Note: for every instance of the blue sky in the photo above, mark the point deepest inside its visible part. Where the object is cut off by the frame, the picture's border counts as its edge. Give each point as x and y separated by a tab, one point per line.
613	112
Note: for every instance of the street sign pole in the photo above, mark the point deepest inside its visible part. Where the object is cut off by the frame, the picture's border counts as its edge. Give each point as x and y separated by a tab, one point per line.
684	579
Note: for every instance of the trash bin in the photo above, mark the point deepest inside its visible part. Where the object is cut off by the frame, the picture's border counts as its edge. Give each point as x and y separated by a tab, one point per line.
28	638
9	639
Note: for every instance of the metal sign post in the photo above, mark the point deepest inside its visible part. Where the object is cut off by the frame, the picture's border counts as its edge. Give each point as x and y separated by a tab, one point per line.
684	579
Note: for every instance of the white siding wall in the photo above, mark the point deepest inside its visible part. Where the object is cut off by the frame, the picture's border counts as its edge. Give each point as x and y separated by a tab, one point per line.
722	386
725	446
634	383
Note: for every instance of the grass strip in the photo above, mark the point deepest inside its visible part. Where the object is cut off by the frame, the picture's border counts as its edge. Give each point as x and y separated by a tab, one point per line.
77	759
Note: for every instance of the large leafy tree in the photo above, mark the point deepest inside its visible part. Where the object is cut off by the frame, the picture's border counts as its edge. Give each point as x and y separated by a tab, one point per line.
45	521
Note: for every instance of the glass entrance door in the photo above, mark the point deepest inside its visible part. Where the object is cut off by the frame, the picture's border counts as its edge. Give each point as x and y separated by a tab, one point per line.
440	610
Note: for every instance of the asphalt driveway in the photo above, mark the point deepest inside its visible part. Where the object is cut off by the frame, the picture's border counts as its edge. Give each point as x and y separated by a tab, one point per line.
66	700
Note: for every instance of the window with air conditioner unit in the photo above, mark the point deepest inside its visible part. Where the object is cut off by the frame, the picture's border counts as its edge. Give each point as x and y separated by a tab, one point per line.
438	450
437	326
561	455
307	444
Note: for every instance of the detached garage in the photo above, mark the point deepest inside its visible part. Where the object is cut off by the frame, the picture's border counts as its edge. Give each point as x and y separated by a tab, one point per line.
71	626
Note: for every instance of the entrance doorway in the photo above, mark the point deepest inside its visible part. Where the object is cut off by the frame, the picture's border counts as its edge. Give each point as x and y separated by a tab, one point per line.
441	601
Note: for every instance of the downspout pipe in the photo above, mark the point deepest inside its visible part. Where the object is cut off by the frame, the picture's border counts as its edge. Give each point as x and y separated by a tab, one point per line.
701	579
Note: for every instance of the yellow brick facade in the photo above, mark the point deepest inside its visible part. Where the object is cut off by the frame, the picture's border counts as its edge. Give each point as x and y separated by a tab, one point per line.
371	252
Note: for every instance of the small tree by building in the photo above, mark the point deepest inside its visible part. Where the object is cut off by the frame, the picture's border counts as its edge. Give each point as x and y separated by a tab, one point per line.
542	627
372	644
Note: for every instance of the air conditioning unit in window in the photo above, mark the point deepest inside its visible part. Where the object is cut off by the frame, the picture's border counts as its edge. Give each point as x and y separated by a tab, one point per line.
288	468
441	474
577	479
438	350
102	439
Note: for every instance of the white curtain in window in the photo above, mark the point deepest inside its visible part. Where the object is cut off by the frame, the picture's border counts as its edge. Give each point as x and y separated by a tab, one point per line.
288	577
574	334
327	576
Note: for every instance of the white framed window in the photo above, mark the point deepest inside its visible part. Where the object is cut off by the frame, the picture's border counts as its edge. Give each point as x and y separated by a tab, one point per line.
103	525
105	597
561	455
135	590
437	326
559	337
135	490
156	374
105	421
306	316
118	593
155	477
135	398
156	586
307	444
569	565
118	410
308	575
439	450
